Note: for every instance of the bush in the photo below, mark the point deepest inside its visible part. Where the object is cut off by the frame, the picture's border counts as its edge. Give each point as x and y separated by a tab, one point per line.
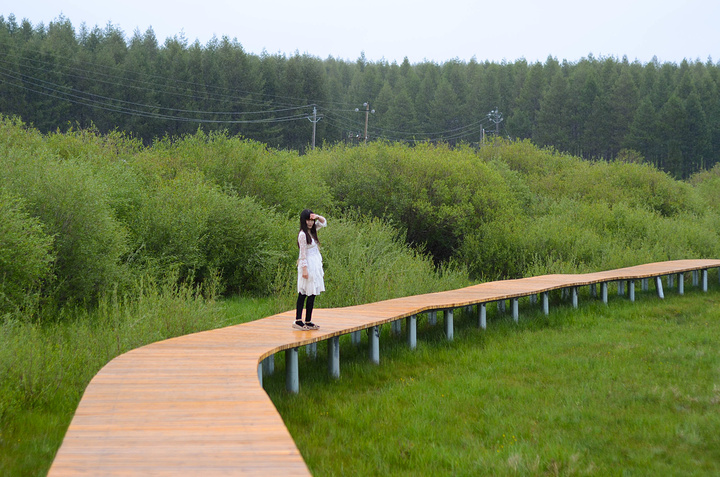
186	223
72	203
434	194
26	255
246	243
277	179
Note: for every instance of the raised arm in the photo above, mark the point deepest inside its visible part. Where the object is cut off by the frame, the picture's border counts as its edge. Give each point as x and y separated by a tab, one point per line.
320	221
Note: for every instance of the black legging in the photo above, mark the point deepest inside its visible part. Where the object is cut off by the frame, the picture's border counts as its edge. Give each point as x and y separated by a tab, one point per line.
308	309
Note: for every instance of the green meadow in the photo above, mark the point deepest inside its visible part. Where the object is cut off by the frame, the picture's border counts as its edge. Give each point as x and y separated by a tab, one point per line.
618	389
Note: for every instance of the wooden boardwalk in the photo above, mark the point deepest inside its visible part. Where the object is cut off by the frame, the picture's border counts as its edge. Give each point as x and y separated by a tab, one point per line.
194	405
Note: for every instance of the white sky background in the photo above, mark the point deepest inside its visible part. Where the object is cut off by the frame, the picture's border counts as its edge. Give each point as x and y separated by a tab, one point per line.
420	30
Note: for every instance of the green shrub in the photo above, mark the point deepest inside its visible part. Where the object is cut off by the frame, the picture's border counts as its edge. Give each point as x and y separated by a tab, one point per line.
90	146
185	222
434	194
26	255
277	179
707	183
246	243
72	203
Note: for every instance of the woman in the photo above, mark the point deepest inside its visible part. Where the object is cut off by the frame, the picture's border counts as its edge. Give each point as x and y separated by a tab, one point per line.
310	281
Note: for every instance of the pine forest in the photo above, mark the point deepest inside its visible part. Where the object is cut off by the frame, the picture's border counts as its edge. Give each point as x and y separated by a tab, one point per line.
59	78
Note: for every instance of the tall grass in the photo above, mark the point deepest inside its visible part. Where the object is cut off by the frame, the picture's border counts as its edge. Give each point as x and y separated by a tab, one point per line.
624	389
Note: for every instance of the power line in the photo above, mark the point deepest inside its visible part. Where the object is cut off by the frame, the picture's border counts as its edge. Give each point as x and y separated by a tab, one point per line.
74	95
169	83
56	86
55	91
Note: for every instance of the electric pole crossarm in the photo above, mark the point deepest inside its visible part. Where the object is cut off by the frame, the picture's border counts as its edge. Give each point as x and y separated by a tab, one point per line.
495	116
367	116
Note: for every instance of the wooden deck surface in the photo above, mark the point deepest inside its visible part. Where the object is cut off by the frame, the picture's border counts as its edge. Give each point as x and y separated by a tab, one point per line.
193	405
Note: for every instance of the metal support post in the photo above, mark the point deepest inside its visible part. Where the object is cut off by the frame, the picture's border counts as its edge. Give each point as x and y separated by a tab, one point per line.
375	344
658	287
412	331
292	376
334	357
574	293
449	328
604	292
681	283
396	328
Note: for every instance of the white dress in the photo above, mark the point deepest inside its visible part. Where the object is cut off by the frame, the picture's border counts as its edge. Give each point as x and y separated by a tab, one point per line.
310	257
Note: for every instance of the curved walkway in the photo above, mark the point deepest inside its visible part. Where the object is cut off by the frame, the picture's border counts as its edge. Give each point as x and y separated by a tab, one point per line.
194	405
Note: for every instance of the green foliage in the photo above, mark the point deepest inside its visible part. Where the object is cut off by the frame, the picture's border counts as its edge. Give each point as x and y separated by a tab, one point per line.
188	223
71	202
278	179
708	185
246	243
25	255
208	204
434	194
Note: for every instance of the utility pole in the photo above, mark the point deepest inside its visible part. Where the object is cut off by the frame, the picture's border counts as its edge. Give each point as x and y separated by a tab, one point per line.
367	116
496	117
314	122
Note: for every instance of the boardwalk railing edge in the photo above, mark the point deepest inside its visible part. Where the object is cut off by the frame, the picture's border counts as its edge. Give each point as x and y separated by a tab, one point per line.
195	404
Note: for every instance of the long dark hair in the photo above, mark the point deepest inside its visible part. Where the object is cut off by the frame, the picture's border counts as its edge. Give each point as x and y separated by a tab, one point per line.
310	234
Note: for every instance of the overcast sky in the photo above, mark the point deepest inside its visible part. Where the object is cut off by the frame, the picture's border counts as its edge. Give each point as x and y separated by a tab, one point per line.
420	30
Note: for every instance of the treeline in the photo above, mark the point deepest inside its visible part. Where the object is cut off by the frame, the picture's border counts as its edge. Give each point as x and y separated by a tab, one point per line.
54	77
85	216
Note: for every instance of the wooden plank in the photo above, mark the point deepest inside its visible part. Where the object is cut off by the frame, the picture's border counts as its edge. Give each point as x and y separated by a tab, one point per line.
193	405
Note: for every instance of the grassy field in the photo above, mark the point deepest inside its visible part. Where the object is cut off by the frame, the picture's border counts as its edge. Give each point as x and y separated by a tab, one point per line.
619	389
